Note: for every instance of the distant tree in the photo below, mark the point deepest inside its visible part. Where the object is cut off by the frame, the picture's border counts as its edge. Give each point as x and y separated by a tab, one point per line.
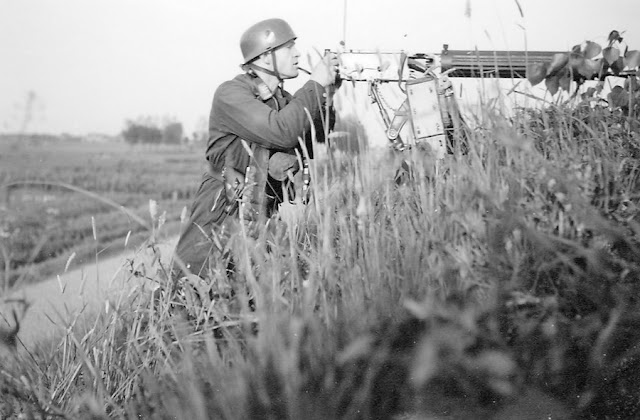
149	130
131	132
142	132
172	133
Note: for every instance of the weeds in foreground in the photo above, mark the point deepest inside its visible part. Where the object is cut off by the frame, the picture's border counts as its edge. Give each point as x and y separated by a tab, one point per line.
492	285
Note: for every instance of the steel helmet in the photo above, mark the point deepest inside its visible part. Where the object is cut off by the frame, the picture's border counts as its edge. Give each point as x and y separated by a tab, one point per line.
264	36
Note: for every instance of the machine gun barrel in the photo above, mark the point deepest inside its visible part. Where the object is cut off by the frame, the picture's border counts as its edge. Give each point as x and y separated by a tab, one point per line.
502	64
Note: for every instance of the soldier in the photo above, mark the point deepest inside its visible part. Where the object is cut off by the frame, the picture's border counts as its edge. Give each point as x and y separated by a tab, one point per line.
254	127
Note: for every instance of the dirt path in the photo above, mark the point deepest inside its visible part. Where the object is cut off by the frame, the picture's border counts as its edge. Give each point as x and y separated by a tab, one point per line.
56	302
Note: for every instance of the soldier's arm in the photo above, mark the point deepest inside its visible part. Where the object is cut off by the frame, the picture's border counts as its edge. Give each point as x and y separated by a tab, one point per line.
254	121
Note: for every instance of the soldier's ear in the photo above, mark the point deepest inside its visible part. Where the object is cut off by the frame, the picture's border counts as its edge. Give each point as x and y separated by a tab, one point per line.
266	58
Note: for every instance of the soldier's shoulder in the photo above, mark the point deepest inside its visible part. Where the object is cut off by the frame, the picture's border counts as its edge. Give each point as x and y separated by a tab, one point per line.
238	85
240	81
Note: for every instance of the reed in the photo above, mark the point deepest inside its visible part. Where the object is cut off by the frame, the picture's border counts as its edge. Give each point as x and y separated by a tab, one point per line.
487	285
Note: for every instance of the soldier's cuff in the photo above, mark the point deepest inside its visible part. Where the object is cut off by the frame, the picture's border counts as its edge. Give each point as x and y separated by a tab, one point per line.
281	163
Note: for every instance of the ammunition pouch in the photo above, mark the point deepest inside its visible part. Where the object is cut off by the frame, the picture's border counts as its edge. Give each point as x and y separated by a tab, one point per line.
253	200
265	183
234	182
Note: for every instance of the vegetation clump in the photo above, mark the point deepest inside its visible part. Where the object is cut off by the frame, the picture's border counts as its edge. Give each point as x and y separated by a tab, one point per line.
497	284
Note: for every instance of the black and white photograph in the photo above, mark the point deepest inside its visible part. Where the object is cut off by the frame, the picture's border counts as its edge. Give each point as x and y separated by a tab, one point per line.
338	210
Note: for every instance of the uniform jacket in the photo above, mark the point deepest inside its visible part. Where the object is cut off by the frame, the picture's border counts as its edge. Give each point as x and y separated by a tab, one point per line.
276	124
273	125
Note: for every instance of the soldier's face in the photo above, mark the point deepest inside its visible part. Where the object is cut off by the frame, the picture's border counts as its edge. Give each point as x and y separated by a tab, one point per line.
287	60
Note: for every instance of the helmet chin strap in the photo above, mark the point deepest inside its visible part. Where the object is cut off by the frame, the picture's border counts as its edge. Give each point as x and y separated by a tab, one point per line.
275	73
275	68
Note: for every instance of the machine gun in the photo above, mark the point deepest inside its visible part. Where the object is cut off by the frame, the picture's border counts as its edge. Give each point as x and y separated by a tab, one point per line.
430	104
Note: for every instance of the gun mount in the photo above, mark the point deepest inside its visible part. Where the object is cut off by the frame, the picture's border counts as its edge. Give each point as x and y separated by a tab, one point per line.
429	102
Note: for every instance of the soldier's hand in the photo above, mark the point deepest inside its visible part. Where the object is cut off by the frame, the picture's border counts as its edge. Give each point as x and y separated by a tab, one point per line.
326	71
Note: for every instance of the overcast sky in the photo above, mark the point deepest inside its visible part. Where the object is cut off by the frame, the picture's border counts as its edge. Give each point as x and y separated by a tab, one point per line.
92	64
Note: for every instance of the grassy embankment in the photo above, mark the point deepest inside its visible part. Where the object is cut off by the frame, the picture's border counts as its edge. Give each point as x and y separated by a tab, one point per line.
43	224
498	284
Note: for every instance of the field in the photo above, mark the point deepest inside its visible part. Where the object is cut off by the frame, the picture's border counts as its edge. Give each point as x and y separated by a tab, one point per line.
498	284
44	223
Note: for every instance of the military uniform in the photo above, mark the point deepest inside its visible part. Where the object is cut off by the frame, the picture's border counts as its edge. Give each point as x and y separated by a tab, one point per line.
271	127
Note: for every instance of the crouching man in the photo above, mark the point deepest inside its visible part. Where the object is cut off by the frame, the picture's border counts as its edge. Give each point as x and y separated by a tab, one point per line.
254	127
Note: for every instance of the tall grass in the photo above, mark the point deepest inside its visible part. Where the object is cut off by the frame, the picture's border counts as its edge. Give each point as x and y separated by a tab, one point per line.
496	284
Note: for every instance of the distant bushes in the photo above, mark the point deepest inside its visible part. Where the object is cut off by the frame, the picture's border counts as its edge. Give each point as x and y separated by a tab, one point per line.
148	131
